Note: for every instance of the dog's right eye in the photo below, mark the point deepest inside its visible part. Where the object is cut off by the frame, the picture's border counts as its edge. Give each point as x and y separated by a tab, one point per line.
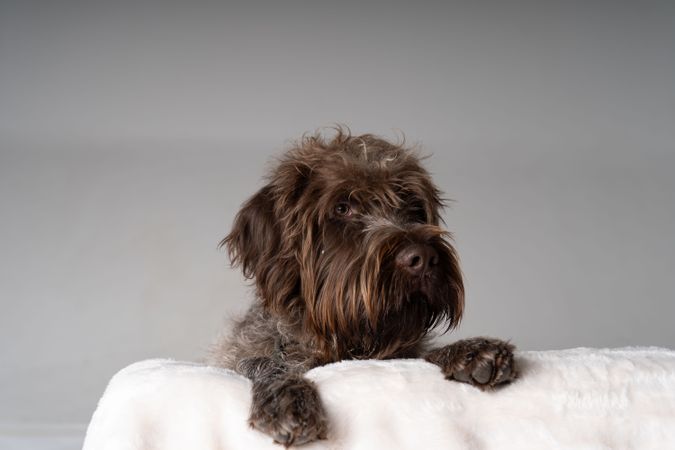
343	209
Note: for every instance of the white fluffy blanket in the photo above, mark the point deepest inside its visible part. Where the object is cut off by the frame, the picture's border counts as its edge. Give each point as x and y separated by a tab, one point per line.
570	399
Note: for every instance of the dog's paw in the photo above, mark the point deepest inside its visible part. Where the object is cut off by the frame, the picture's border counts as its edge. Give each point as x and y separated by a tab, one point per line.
481	362
289	410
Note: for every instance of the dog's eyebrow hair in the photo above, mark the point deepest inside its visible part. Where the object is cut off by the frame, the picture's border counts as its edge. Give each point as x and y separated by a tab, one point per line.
379	222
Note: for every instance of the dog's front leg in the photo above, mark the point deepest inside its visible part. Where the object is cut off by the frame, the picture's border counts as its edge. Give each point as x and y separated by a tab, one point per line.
481	362
285	405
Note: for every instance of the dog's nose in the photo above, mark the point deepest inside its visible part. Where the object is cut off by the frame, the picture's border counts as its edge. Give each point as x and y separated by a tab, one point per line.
417	258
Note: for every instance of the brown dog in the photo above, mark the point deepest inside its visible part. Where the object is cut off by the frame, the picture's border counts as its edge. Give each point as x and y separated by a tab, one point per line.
349	262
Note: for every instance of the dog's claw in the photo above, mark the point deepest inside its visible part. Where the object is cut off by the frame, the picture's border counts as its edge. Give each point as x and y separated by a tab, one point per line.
482	374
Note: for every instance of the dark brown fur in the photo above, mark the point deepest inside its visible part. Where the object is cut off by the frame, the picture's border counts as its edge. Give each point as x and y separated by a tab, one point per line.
322	241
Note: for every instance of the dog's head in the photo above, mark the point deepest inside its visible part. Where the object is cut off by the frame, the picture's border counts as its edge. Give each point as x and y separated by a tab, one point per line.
345	237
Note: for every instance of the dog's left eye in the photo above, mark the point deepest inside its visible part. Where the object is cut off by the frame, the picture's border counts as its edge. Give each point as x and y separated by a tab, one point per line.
343	209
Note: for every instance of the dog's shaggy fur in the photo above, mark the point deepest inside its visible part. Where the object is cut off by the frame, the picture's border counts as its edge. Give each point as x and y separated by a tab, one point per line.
349	262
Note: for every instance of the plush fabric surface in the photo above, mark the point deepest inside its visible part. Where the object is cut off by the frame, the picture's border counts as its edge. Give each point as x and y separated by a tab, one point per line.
569	399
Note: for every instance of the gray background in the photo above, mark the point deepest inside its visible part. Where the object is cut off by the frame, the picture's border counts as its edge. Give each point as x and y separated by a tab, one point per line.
130	134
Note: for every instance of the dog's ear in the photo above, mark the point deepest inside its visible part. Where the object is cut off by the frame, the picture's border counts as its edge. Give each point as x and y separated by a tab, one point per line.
255	244
254	233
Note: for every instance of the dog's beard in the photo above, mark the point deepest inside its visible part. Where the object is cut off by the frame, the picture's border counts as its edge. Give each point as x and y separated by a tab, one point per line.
362	306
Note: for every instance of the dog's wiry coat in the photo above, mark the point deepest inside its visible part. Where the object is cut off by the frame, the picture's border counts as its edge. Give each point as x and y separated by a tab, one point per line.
349	262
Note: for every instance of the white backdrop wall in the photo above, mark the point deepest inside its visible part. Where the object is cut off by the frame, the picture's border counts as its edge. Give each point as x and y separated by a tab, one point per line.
130	134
